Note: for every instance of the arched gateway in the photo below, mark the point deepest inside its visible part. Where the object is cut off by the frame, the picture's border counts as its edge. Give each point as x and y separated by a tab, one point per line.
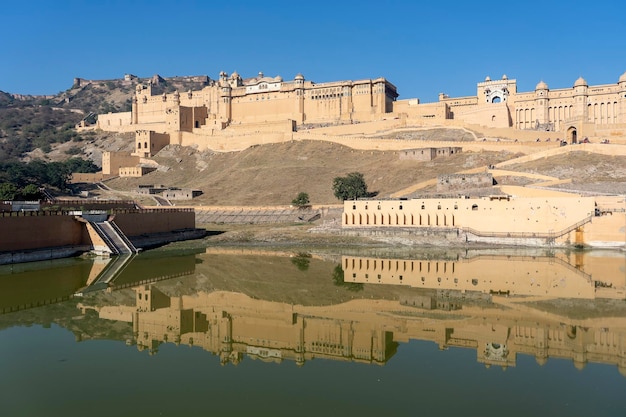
572	135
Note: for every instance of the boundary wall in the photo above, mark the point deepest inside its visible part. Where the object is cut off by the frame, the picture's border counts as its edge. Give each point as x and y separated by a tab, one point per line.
38	235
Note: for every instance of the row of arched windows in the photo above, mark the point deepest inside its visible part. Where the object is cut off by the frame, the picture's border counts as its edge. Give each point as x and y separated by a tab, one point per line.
396	219
602	113
525	118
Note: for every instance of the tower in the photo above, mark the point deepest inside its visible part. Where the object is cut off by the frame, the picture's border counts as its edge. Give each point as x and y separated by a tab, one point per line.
299	89
541	104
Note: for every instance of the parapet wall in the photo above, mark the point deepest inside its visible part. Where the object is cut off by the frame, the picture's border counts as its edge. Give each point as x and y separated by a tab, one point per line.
115	122
37	235
36	230
140	222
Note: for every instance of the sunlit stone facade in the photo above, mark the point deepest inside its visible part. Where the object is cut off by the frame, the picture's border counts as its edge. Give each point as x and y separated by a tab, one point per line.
577	111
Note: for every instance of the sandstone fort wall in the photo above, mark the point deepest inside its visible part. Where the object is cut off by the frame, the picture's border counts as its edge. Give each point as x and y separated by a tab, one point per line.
136	223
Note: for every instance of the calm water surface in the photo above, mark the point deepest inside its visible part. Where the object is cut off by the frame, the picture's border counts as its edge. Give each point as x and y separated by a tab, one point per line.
244	333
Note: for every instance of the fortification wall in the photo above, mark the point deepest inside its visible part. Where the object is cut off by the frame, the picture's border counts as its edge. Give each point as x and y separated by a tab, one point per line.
88	177
412	109
140	222
36	230
494	116
114	122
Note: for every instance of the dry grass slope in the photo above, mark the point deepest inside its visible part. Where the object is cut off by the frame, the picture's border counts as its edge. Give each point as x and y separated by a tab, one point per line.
273	174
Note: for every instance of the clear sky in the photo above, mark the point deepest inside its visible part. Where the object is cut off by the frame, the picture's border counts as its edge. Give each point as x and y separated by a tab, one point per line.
423	47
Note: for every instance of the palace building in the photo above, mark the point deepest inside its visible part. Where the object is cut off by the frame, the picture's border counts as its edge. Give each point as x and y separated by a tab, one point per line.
234	101
264	104
580	110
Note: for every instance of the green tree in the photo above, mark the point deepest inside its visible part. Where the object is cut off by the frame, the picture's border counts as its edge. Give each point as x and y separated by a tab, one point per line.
350	187
302	200
30	192
8	191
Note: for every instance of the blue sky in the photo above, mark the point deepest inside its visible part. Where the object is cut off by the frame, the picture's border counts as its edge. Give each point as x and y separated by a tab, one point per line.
422	47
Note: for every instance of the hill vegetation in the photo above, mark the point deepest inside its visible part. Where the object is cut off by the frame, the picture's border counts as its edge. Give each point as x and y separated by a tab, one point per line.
41	125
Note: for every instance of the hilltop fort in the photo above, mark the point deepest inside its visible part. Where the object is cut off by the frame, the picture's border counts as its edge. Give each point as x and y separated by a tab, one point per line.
272	108
233	113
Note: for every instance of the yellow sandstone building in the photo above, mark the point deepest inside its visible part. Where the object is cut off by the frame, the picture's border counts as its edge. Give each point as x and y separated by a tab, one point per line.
272	104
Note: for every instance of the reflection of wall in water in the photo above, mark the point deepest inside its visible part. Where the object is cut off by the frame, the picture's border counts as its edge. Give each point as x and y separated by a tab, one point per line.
541	276
153	267
231	331
36	287
232	325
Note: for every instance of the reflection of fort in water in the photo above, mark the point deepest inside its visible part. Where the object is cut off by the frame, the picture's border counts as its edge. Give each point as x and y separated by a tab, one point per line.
511	275
232	325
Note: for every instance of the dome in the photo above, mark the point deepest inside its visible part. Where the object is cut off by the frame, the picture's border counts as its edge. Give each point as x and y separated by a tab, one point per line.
541	86
622	79
487	78
234	75
299	77
580	82
504	77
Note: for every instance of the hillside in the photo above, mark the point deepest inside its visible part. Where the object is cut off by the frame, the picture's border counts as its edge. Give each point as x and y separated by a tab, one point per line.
35	126
273	174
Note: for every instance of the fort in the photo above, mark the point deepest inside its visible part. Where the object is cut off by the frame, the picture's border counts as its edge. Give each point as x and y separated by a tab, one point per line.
232	113
262	105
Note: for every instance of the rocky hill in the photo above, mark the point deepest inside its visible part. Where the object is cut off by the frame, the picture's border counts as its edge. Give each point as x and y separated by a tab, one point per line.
42	126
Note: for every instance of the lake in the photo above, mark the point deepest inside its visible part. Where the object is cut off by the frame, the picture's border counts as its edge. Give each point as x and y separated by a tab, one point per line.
345	332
